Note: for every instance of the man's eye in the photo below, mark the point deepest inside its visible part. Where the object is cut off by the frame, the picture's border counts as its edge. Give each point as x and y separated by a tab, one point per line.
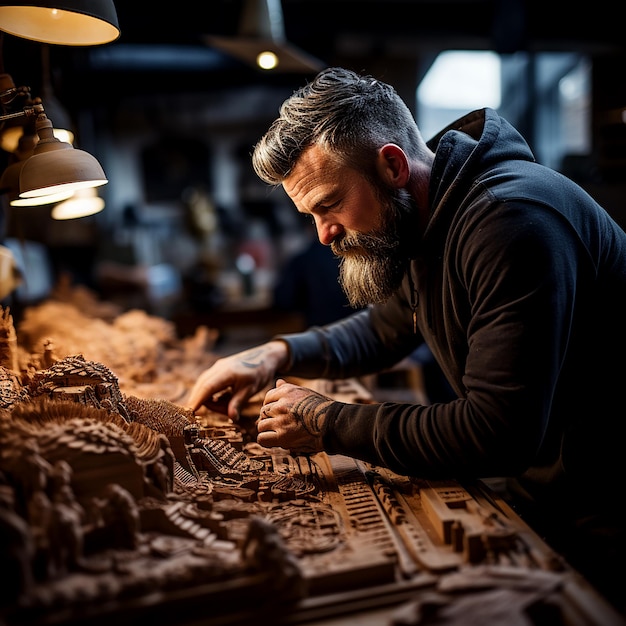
328	207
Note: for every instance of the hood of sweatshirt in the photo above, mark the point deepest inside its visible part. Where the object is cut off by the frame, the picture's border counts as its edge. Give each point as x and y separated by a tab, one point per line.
466	152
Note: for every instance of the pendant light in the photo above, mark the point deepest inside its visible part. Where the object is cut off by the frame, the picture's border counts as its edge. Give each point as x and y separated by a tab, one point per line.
261	41
57	166
63	22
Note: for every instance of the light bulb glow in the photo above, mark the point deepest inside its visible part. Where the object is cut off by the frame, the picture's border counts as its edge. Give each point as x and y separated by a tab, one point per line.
38	201
74	186
267	60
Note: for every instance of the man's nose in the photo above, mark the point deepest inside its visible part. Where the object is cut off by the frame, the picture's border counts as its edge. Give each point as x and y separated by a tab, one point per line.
327	233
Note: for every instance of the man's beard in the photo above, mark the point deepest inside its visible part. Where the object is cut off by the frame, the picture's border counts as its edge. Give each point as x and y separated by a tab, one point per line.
373	264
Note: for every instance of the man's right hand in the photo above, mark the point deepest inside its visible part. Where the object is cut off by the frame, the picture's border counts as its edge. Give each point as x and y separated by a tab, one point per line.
231	381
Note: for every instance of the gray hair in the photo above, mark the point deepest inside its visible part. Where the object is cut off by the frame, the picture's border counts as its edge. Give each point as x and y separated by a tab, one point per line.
348	114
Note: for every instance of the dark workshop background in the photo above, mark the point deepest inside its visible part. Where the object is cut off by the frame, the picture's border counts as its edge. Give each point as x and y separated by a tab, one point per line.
188	231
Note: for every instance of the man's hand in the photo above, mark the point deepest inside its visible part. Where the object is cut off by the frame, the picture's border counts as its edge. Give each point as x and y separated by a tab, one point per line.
293	418
231	381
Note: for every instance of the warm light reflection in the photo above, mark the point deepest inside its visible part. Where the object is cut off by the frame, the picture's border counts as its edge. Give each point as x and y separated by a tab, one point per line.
62	134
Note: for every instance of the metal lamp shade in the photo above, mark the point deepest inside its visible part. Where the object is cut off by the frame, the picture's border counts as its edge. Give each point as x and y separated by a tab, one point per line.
60	170
63	22
56	166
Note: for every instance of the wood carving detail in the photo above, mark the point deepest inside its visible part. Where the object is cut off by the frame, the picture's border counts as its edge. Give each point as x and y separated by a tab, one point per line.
113	496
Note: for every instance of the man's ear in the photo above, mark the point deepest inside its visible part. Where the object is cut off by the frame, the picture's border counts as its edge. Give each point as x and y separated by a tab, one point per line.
393	166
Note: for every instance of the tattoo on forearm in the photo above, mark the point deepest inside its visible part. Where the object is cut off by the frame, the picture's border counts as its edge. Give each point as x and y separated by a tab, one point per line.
311	411
252	358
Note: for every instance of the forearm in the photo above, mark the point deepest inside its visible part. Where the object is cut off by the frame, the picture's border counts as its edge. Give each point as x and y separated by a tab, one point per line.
350	347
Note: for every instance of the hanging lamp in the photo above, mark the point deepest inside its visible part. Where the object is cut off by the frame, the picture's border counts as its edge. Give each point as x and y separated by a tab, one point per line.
57	166
63	22
261	41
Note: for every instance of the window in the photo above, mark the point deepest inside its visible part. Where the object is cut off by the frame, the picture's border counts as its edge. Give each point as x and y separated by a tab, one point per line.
546	96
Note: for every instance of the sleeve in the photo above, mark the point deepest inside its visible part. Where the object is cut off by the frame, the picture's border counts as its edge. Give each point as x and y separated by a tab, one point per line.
353	346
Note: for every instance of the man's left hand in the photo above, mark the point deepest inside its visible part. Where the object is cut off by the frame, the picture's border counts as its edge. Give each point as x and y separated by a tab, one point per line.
294	418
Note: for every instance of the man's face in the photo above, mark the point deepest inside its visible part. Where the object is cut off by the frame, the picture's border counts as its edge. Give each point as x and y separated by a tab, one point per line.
362	223
374	263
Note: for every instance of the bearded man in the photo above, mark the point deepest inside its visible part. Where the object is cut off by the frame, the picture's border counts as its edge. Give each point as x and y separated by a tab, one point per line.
510	272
